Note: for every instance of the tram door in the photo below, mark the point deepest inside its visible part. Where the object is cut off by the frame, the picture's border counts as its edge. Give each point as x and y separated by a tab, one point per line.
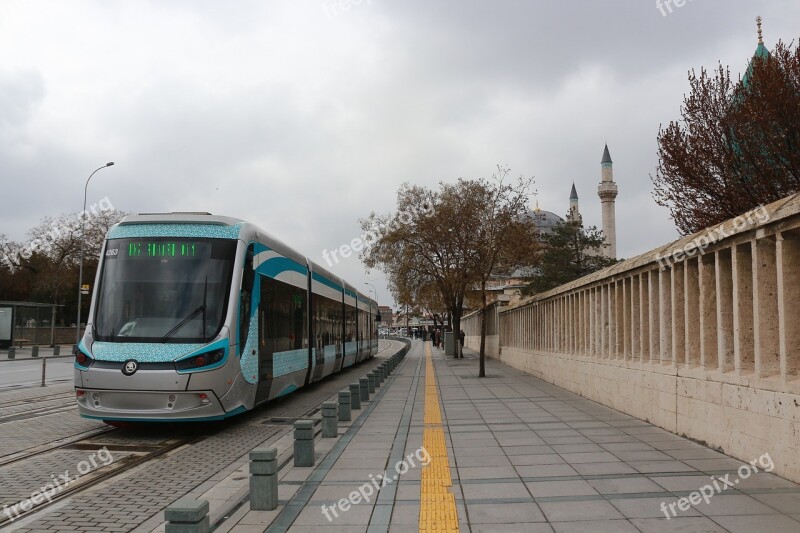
266	345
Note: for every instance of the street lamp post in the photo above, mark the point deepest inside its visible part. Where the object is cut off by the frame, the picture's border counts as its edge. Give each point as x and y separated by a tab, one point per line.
376	295
83	247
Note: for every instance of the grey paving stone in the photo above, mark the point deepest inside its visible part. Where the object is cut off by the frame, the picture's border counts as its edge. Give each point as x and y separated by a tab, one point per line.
651	507
508	513
488	472
675	525
484	460
591	457
571	511
734	504
681	483
545	489
527	450
785	503
625	485
530	460
500	491
596	526
543	471
650	467
756	523
602	469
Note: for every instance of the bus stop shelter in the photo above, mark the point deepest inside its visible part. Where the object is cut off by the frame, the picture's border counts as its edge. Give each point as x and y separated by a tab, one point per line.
21	322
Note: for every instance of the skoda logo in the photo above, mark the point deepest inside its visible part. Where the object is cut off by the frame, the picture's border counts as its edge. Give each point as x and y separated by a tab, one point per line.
130	367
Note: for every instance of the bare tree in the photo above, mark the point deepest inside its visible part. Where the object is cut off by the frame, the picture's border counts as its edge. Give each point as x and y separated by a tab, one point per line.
503	236
468	230
425	242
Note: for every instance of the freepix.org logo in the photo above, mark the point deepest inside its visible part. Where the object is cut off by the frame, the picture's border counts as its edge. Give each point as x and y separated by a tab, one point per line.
376	231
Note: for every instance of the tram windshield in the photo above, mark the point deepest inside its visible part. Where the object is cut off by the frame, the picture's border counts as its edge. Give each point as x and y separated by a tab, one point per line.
164	290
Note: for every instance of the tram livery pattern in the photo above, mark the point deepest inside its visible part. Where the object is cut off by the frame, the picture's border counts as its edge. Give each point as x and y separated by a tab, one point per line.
218	317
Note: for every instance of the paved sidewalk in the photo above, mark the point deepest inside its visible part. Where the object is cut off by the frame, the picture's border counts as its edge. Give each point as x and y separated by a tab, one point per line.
523	455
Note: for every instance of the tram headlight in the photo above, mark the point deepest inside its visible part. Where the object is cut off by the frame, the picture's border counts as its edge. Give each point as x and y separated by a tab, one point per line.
199	362
81	359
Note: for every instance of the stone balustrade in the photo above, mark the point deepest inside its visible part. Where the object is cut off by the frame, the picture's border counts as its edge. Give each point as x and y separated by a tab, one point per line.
701	336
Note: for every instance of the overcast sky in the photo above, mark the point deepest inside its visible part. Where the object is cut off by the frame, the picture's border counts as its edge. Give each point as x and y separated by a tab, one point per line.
303	116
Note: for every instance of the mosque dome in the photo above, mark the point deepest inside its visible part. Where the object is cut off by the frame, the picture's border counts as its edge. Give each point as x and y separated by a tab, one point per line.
545	221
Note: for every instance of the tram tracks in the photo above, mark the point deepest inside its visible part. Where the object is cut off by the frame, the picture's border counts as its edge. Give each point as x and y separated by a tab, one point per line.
69	395
124	452
35	413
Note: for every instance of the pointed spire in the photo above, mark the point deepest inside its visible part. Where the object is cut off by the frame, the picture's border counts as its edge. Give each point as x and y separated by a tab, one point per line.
760	35
760	53
574	194
606	156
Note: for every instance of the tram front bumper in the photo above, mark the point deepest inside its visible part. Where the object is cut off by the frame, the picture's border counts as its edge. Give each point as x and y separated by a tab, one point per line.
148	406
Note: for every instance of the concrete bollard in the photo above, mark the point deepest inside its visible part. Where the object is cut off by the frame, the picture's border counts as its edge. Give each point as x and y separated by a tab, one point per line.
56	350
364	384
378	376
344	406
355	396
304	443
264	479
330	427
371	382
187	516
12	353
35	351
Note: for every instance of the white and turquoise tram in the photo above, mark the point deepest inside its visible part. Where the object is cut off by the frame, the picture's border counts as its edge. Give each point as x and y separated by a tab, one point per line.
201	317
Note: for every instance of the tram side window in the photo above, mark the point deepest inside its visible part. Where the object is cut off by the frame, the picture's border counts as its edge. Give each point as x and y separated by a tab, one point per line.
284	315
350	324
327	323
362	328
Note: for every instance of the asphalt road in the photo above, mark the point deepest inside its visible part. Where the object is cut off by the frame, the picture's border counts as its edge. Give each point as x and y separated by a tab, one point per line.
29	372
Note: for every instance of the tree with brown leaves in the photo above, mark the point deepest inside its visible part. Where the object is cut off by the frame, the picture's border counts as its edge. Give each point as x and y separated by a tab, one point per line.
737	145
451	239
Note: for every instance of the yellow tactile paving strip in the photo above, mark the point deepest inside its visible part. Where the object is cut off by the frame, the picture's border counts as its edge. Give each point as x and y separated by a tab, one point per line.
437	510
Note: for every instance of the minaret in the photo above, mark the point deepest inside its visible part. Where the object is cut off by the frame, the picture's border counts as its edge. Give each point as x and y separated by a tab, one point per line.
607	191
574	213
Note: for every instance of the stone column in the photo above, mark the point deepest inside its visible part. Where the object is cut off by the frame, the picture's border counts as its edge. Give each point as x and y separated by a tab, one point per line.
742	261
644	317
678	315
788	259
654	314
724	280
692	312
708	312
765	308
665	315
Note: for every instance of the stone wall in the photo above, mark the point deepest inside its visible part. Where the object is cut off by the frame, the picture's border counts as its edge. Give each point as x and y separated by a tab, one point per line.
700	337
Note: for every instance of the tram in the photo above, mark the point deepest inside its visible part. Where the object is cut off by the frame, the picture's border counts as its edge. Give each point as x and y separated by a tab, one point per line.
202	317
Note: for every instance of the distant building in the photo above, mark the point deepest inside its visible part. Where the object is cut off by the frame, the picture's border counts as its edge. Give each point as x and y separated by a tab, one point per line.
607	191
386	315
505	285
